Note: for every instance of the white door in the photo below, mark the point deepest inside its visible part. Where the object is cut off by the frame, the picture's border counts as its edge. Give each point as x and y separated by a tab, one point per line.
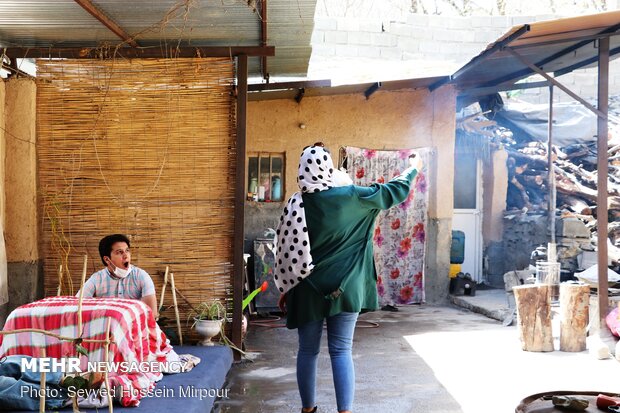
467	216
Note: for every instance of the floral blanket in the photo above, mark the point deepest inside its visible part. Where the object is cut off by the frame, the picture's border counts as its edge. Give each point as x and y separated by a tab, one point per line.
400	232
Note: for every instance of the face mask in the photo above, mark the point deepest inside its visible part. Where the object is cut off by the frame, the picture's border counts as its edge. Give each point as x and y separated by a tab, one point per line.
121	272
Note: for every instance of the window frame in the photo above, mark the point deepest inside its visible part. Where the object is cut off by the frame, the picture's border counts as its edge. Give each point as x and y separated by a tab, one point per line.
260	155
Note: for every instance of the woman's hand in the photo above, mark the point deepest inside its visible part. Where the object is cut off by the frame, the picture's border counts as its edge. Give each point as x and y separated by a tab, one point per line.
415	161
282	303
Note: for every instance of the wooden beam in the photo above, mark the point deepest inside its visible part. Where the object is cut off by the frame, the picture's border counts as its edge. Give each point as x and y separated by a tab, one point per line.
238	265
98	14
141	53
263	38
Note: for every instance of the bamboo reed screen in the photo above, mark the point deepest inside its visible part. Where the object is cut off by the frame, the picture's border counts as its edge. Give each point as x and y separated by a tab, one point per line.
144	148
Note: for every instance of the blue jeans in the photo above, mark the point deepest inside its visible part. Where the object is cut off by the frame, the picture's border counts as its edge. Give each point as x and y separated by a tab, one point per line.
20	390
340	329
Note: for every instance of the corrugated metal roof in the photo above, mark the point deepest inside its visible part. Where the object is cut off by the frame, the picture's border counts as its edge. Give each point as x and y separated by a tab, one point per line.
64	23
557	46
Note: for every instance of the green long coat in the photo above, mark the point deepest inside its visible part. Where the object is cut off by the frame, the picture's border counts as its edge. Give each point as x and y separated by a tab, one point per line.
340	227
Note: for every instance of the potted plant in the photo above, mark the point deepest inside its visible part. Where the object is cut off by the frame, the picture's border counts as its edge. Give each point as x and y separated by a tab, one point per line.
209	317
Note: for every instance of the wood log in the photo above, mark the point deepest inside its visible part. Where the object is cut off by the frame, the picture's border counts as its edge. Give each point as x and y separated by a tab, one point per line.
534	317
576	204
574	307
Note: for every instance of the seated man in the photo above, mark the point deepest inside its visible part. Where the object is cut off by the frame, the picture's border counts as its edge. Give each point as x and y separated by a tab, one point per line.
120	278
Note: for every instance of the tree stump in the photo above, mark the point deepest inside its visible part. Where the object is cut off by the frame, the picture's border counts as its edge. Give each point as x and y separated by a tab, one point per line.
574	307
534	317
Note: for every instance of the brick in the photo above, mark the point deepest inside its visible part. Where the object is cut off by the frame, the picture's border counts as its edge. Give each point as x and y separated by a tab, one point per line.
361	38
336	37
369	51
348	25
383	39
391	53
325	23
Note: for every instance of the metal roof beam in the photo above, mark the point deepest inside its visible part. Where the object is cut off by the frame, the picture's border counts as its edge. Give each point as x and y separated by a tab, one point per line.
130	52
565	40
544	74
98	14
481	91
583	63
524	72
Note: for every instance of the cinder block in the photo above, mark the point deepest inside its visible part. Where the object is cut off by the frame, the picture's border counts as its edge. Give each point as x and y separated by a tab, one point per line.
346	51
401	29
486	36
408	44
336	37
412	56
323	50
318	37
430	47
519	20
391	53
456	22
445	35
420	20
369	51
481	21
503	22
348	25
383	39
325	23
436	21
360	38
373	26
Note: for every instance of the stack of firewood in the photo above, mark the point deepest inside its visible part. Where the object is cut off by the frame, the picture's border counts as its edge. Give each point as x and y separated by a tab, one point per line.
575	168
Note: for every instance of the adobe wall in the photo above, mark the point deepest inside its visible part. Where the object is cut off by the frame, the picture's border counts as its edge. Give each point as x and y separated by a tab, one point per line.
388	120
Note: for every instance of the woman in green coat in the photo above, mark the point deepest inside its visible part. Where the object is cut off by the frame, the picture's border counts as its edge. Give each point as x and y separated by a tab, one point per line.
325	266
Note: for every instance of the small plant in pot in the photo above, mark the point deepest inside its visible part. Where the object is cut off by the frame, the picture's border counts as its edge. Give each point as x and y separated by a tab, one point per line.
209	318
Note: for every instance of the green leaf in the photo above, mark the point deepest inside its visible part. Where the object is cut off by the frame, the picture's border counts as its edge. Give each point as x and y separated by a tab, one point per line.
81	350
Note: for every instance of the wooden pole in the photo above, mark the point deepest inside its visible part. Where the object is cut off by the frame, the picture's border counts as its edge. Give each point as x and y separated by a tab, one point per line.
534	317
42	386
574	313
59	280
106	378
176	308
163	291
79	315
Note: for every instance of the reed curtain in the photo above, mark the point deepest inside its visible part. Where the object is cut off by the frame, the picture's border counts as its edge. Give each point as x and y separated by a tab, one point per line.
399	239
143	147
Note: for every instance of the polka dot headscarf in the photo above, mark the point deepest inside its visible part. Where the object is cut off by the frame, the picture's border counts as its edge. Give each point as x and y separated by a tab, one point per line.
293	259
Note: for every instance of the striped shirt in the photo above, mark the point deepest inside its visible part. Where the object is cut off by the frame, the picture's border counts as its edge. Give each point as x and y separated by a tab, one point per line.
137	284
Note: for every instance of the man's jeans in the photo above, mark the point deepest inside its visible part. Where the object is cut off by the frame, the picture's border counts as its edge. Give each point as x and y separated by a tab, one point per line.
340	329
20	390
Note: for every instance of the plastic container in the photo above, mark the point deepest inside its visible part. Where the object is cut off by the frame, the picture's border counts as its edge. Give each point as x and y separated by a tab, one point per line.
549	273
457	248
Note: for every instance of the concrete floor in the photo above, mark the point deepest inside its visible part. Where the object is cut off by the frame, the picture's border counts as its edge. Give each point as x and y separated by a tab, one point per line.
421	359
